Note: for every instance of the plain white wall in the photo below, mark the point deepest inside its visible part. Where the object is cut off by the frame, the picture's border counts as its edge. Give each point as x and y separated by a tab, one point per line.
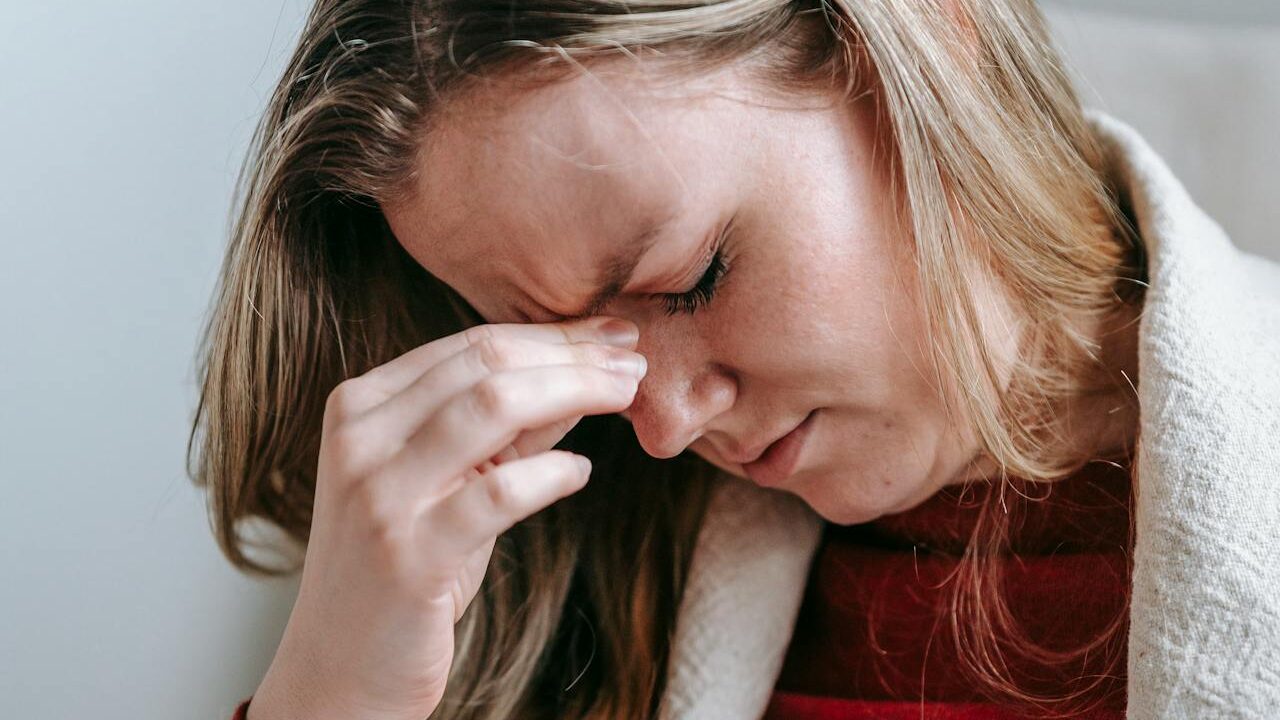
1205	95
122	129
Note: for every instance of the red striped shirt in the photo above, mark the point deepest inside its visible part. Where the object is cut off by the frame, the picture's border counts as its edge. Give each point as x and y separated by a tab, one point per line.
870	640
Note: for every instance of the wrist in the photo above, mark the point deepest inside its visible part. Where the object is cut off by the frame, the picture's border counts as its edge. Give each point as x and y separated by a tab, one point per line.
287	695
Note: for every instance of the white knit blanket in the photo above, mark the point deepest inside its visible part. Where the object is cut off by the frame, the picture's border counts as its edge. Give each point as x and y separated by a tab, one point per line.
1205	619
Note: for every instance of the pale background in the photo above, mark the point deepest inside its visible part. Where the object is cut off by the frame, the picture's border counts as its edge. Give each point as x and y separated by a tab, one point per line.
122	128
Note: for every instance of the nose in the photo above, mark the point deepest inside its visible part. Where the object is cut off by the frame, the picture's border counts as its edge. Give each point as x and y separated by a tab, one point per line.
682	392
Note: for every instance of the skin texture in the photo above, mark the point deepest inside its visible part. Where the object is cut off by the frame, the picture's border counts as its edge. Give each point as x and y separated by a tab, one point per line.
520	195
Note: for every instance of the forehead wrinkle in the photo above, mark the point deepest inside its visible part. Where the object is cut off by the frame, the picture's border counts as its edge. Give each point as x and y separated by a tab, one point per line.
616	271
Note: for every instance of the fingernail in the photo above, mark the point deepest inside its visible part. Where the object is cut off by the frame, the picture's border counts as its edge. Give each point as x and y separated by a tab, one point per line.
626	383
625	361
619	332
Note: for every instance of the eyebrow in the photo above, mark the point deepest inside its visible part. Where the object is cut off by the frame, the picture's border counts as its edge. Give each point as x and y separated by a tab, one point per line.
615	272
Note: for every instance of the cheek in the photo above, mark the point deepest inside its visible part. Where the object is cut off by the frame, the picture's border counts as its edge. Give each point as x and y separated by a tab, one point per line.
875	464
786	300
863	321
838	321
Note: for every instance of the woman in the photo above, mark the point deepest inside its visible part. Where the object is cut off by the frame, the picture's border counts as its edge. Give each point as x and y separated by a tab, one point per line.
861	254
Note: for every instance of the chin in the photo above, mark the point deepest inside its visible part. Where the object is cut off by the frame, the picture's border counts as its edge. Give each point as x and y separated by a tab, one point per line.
841	513
858	508
815	489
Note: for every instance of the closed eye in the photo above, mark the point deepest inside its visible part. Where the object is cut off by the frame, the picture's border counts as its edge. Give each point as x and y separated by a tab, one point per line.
705	289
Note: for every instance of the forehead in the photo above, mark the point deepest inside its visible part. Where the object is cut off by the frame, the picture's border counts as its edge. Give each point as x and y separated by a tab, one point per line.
519	190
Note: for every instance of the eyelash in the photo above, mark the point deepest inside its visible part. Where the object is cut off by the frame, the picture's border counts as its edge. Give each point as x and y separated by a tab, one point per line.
701	294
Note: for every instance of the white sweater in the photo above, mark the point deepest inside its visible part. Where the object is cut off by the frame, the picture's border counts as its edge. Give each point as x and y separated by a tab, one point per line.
1204	636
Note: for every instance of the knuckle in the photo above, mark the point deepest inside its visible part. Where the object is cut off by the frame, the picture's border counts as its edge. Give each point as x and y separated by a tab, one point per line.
499	490
384	515
566	333
478	333
351	447
347	398
344	442
492	398
494	353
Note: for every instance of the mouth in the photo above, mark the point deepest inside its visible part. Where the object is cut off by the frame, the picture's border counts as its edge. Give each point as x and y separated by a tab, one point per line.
778	461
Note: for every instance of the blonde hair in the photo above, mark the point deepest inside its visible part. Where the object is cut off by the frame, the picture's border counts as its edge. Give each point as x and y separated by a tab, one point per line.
998	174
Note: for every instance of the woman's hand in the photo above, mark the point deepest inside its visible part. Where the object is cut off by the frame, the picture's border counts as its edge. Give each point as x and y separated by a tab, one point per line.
424	461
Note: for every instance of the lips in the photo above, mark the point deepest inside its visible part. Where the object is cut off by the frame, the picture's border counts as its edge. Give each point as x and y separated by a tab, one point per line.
759	449
748	458
781	458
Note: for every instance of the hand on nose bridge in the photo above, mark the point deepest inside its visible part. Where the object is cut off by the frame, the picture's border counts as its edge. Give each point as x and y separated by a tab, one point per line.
679	394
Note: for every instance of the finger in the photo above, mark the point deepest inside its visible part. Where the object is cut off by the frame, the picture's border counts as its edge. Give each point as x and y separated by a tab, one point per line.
400	415
489	505
393	376
508	453
475	424
541	439
533	441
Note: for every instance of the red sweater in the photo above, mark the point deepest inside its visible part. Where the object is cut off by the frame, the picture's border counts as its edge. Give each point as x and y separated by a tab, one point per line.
865	643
